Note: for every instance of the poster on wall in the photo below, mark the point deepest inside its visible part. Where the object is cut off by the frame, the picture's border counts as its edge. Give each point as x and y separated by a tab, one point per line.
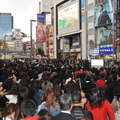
104	36
41	33
103	13
68	17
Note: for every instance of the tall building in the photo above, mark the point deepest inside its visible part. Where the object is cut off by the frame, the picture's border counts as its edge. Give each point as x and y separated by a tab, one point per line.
6	24
90	28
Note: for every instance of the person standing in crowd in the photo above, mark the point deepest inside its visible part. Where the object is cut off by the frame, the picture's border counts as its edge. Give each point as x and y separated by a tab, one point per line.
99	106
78	110
65	102
28	110
101	81
116	101
11	112
49	103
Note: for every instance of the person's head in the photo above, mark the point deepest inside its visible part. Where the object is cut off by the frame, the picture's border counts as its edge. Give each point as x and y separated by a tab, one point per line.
101	7
65	101
44	114
7	84
114	77
28	108
102	75
11	111
23	94
50	98
96	98
76	97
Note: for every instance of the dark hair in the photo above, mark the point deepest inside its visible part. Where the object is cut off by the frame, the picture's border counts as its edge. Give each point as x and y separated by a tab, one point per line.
36	86
76	97
96	98
28	108
101	75
23	94
45	114
65	101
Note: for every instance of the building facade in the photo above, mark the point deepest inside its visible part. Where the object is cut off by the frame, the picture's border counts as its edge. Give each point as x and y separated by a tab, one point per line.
6	24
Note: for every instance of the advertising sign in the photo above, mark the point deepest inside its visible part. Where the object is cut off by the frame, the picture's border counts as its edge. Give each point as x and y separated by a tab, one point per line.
41	33
17	34
68	17
106	51
41	16
103	13
104	36
82	10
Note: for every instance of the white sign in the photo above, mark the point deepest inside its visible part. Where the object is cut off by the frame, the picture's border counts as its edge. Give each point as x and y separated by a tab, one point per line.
97	63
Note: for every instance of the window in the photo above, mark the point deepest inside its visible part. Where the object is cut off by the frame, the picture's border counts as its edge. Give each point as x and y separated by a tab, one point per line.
90	31
91	44
91	6
91	19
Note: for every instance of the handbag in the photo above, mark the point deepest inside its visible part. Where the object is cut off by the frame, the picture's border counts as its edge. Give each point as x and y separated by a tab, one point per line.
117	113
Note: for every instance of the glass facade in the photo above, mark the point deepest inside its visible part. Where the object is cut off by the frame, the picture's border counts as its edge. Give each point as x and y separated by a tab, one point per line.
6	24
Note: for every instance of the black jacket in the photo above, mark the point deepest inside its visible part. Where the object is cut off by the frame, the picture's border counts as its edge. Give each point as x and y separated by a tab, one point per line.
63	116
78	112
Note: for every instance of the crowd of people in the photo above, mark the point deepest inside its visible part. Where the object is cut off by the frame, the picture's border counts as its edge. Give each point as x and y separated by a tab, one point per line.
53	89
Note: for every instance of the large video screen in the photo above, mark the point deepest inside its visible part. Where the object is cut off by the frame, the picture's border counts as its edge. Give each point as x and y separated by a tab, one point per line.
103	13
68	17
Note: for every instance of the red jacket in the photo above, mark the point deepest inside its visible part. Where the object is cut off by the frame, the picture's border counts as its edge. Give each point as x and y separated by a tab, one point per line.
100	83
32	118
103	112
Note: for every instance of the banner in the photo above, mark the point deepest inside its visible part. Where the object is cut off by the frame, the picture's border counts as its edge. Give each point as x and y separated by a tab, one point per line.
103	13
41	33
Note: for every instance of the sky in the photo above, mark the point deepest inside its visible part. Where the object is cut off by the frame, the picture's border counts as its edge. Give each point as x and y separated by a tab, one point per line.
22	11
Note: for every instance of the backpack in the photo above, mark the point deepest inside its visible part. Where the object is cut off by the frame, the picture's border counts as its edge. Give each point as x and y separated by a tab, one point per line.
117	113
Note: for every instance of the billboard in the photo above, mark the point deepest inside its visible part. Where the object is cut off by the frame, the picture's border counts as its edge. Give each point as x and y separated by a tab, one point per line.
103	13
17	34
5	24
41	33
68	17
106	50
97	63
104	36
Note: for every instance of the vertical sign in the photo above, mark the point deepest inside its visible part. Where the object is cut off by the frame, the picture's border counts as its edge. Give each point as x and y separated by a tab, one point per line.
115	30
82	10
